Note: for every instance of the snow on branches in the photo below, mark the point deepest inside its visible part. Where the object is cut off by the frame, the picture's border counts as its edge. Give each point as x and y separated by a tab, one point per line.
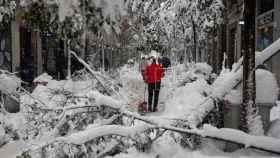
7	9
179	21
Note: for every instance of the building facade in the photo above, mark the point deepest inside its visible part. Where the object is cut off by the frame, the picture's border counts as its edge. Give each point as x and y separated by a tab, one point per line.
26	49
30	51
267	30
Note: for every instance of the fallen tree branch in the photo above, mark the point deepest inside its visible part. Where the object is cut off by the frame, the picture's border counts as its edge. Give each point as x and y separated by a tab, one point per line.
263	143
93	73
224	84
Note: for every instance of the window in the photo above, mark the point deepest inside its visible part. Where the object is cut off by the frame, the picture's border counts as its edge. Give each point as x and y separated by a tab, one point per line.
264	37
265	5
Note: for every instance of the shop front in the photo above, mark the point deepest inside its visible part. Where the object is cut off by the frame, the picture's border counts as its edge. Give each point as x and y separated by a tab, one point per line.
264	37
264	24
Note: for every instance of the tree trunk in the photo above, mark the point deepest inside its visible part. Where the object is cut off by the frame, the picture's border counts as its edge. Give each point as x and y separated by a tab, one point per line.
249	111
194	40
66	49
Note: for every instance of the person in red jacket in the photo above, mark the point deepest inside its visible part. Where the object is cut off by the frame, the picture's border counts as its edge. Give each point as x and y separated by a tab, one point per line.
153	74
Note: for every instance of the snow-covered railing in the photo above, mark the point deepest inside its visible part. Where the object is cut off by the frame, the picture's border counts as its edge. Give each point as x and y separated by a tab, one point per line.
267	53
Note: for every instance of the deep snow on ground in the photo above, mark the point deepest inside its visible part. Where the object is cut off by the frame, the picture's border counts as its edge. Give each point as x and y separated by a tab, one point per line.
178	101
178	97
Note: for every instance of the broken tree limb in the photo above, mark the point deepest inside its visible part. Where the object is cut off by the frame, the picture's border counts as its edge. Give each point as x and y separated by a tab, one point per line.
92	73
82	137
228	135
262	143
226	82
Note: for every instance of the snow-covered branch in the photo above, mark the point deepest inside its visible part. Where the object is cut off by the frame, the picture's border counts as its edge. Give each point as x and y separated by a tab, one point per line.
108	89
225	82
101	131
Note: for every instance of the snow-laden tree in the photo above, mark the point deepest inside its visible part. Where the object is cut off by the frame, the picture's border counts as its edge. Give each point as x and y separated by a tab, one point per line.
7	8
190	20
179	23
73	14
140	12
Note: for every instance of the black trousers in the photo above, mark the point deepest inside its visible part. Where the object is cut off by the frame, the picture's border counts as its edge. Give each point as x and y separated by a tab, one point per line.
153	89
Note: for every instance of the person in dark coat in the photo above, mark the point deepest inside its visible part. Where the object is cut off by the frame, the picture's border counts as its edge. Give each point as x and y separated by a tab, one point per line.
165	62
153	75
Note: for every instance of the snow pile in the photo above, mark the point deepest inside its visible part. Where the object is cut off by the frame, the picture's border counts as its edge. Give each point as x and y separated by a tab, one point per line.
180	68
164	147
186	98
225	82
275	112
199	71
185	101
43	78
133	86
101	99
12	149
204	69
53	94
9	83
10	128
182	73
14	121
274	130
266	89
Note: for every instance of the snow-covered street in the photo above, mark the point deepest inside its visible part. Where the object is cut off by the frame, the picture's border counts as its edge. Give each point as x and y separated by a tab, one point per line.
182	92
139	78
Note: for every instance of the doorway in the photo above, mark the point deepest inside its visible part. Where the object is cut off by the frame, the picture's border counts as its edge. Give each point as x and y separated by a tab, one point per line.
26	56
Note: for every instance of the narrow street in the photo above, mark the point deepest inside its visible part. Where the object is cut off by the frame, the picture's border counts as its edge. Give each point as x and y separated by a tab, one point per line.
139	78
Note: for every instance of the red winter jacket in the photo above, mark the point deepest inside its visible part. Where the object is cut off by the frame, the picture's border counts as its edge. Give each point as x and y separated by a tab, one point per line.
153	73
